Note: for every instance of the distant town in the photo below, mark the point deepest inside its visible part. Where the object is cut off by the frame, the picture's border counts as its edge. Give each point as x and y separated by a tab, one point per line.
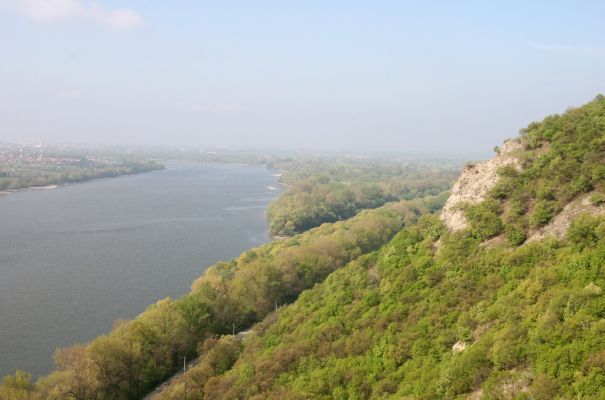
38	165
39	153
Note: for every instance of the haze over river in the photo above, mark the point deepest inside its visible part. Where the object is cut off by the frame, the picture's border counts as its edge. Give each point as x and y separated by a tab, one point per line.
76	258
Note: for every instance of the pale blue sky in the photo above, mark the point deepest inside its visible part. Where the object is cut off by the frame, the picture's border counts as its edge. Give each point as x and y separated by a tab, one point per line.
378	75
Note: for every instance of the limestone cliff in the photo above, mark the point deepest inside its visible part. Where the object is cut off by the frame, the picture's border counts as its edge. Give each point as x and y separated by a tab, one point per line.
475	182
557	228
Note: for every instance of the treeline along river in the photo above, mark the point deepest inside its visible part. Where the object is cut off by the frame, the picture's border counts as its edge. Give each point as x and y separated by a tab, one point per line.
76	258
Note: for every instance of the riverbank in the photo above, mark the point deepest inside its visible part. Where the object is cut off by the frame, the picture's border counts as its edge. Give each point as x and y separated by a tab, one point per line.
78	257
86	179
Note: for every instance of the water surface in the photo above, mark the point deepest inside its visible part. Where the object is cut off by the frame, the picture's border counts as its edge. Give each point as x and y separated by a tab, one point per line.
76	258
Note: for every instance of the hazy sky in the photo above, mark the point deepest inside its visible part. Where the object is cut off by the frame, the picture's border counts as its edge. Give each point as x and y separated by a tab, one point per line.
381	75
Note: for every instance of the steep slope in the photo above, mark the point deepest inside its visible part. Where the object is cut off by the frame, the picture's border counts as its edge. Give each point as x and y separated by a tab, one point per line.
475	183
138	355
460	320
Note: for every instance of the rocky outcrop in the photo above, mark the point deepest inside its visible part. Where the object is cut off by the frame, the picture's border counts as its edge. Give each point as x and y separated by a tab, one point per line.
557	228
478	179
474	184
459	346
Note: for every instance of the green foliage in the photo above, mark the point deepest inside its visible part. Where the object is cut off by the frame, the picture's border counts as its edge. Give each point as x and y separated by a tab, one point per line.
527	320
137	355
196	311
515	233
483	219
334	195
219	355
562	158
384	326
17	387
586	230
541	214
432	314
597	199
598	173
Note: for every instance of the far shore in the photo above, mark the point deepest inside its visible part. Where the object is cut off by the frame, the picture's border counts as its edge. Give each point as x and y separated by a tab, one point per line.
58	185
44	187
47	187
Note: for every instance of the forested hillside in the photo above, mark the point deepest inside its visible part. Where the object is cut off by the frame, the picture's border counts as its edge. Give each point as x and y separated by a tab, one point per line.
505	303
337	191
138	355
505	308
330	187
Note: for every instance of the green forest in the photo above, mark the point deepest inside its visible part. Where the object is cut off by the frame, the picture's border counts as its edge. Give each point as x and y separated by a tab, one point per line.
341	191
387	303
436	314
138	355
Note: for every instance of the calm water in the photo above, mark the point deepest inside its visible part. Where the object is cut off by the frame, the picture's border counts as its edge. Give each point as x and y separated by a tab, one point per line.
76	258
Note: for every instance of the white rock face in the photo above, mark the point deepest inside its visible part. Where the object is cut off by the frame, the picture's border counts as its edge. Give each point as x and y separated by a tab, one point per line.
557	228
474	183
459	346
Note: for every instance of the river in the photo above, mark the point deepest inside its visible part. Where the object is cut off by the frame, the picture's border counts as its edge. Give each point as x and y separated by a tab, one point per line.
76	258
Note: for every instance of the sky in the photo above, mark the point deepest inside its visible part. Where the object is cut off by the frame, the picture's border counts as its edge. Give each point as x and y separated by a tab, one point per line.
432	77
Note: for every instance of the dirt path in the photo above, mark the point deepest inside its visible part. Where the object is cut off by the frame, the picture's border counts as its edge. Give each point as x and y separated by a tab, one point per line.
170	380
240	336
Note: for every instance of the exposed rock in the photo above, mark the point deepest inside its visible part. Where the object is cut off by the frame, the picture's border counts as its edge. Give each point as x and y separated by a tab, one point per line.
494	242
459	346
513	384
593	290
242	335
557	228
474	184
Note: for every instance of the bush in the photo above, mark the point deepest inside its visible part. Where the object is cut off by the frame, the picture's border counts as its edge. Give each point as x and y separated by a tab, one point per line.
515	234
585	231
483	219
598	173
582	184
509	171
503	188
545	192
541	214
597	199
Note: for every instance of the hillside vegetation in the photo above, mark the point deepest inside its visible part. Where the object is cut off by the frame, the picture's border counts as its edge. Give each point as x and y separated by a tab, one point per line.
442	314
329	187
339	191
409	309
138	355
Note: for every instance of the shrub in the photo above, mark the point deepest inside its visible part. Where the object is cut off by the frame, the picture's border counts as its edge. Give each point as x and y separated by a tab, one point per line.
541	214
582	184
585	231
543	387
483	219
598	173
503	188
545	192
515	234
597	199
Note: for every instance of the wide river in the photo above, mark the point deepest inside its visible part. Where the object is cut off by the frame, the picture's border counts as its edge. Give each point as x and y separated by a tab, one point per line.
76	258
